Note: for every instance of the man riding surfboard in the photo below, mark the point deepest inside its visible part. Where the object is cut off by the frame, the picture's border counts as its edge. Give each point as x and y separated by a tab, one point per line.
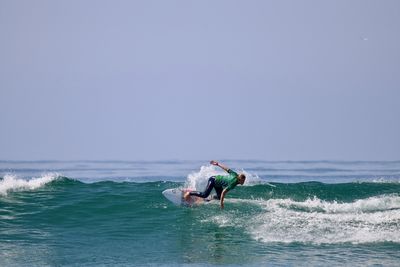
221	183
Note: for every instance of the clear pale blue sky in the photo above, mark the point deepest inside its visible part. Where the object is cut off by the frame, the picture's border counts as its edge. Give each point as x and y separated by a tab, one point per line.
145	80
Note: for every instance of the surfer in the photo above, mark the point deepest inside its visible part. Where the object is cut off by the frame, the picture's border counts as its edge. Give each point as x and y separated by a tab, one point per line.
221	183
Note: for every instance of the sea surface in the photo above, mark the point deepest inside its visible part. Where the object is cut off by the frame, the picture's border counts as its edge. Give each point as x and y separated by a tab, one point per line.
113	213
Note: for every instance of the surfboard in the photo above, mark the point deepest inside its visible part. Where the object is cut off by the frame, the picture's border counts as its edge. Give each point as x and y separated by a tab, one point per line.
175	195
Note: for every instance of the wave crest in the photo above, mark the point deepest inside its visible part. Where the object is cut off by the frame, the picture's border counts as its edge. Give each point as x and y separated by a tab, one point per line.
11	183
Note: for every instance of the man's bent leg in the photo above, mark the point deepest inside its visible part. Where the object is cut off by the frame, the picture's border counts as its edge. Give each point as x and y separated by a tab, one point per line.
206	193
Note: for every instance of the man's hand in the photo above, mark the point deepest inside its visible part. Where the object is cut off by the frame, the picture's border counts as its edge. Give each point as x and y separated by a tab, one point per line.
213	162
222	205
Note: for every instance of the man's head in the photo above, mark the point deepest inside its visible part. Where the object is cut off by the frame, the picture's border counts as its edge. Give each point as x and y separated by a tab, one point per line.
241	178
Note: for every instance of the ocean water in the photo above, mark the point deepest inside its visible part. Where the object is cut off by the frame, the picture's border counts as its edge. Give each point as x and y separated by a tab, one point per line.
112	213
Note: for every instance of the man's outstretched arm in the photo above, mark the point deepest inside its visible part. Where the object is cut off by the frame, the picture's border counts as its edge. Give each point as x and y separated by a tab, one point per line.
216	163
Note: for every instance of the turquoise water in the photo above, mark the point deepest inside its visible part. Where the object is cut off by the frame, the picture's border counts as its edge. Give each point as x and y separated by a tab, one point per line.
113	213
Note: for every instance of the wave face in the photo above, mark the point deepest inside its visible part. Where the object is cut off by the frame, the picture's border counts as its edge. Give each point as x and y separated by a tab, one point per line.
51	219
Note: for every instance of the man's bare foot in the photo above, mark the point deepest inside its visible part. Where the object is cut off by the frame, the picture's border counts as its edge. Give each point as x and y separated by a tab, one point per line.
186	196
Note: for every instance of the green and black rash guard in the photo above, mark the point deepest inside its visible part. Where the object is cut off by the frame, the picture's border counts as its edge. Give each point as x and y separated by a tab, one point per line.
227	182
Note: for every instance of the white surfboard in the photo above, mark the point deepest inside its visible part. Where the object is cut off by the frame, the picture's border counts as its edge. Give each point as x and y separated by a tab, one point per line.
175	195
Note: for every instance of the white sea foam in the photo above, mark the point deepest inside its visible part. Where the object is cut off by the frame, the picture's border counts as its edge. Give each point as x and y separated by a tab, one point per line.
383	180
198	180
375	219
12	183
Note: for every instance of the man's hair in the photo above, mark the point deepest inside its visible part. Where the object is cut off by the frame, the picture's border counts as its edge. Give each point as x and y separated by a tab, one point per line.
242	176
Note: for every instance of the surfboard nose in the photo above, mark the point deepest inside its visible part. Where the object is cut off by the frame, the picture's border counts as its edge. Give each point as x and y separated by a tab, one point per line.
174	195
